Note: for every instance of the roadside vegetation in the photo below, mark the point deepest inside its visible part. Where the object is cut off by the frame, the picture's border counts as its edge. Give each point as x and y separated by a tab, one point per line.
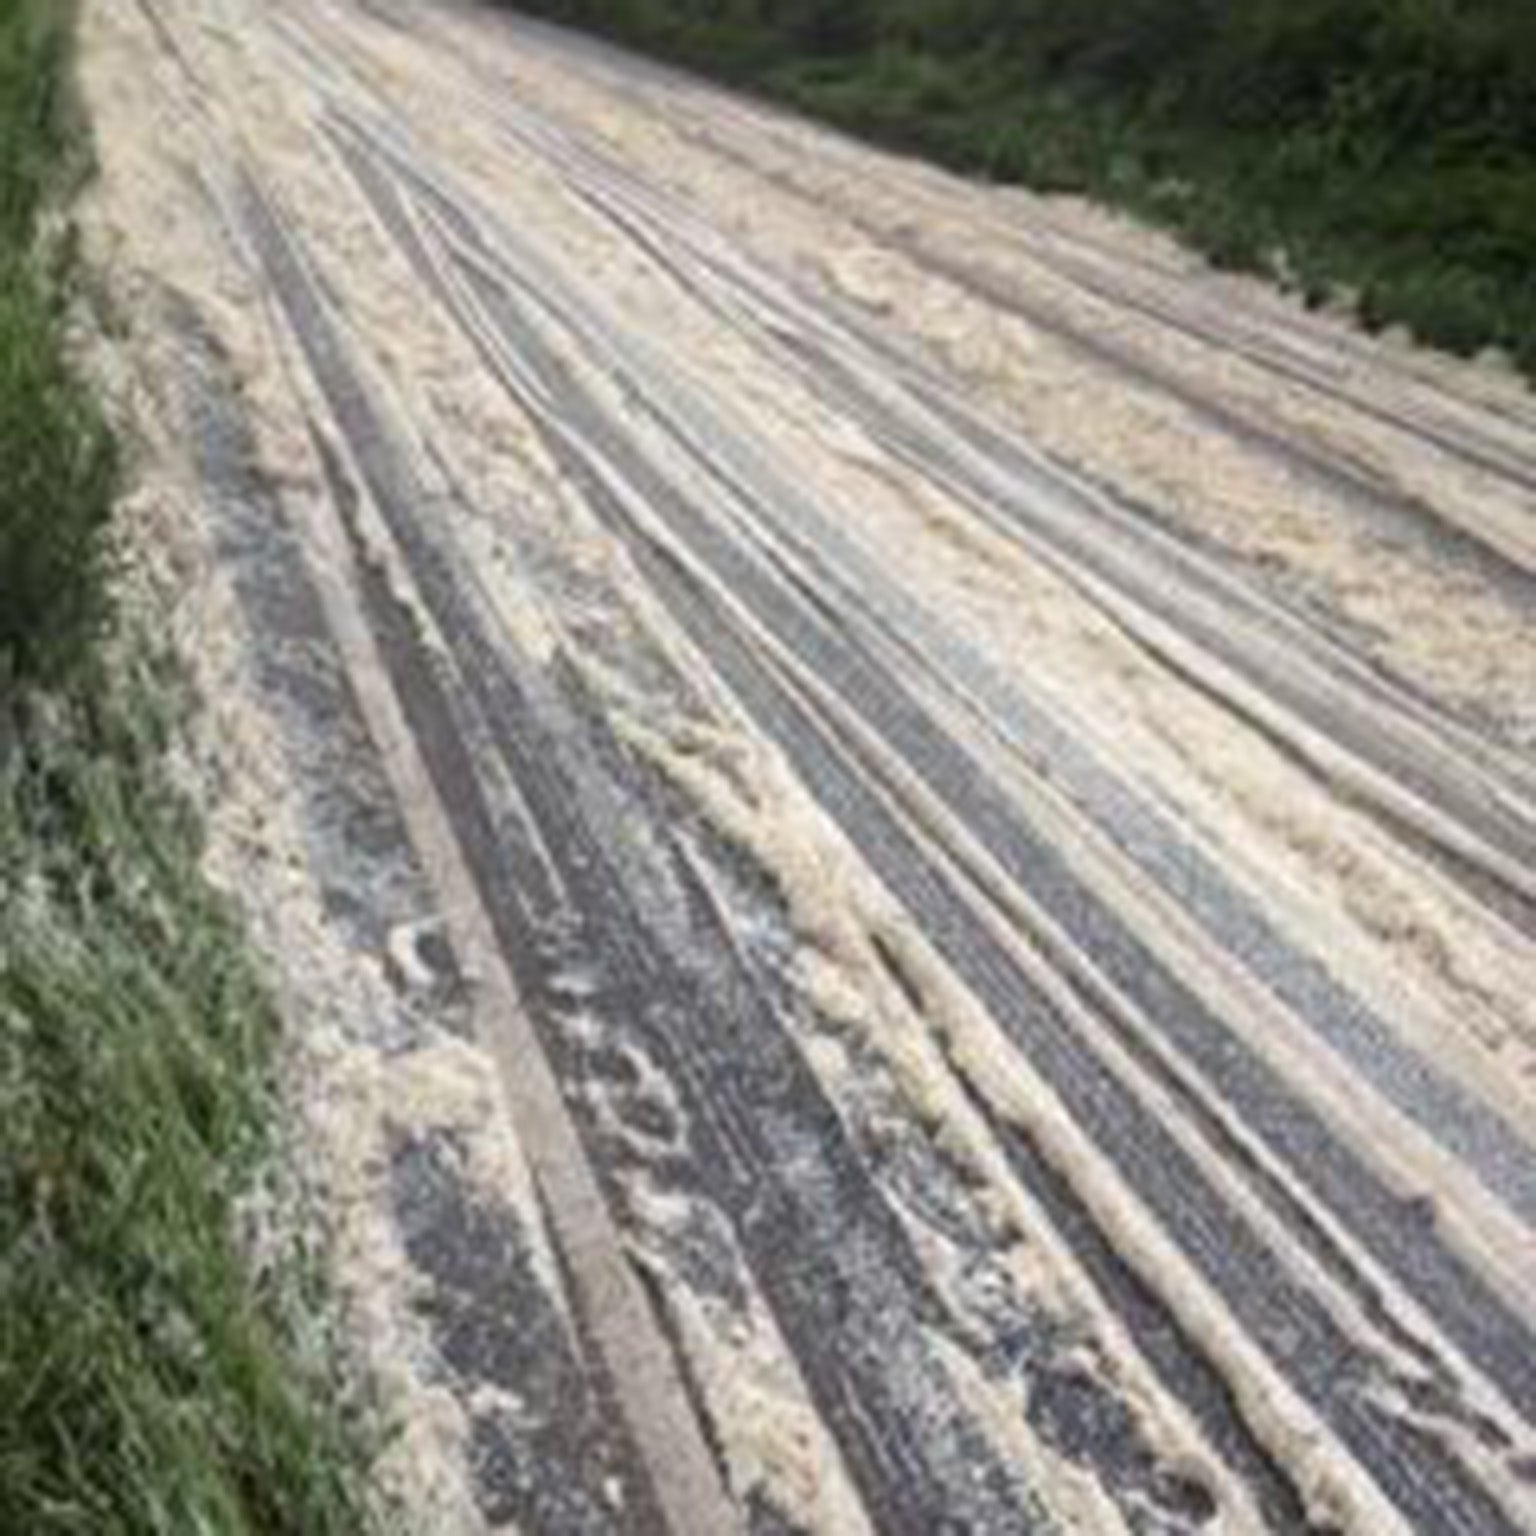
153	1377
1384	149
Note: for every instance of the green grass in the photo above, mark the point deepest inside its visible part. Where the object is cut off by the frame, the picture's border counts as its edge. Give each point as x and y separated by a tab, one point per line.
153	1377
57	472
1443	249
56	459
149	1380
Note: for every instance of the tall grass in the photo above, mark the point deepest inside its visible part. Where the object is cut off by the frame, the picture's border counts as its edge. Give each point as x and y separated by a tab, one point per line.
152	1383
56	458
149	1381
57	471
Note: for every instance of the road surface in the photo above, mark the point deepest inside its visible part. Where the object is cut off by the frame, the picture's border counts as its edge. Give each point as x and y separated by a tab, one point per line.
897	828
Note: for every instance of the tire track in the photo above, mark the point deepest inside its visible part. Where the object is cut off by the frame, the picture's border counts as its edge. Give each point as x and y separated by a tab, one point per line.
856	1319
1329	1368
1384	724
1297	1310
562	1459
1468	1311
1082	267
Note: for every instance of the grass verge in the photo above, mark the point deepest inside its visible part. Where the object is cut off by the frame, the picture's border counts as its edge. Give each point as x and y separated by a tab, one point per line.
149	1380
56	459
153	1379
1422	241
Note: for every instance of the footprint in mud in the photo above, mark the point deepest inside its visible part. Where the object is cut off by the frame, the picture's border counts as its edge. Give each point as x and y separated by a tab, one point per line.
420	962
633	1105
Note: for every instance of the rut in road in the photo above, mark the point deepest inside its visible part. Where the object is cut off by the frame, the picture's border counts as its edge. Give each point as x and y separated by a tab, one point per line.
1314	1358
998	955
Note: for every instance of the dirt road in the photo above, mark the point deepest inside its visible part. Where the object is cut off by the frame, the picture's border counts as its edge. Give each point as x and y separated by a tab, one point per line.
899	830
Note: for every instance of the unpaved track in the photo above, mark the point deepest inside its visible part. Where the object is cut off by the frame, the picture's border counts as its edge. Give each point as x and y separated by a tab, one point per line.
959	791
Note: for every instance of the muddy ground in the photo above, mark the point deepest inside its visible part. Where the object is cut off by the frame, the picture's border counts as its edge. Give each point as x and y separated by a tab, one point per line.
896	827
